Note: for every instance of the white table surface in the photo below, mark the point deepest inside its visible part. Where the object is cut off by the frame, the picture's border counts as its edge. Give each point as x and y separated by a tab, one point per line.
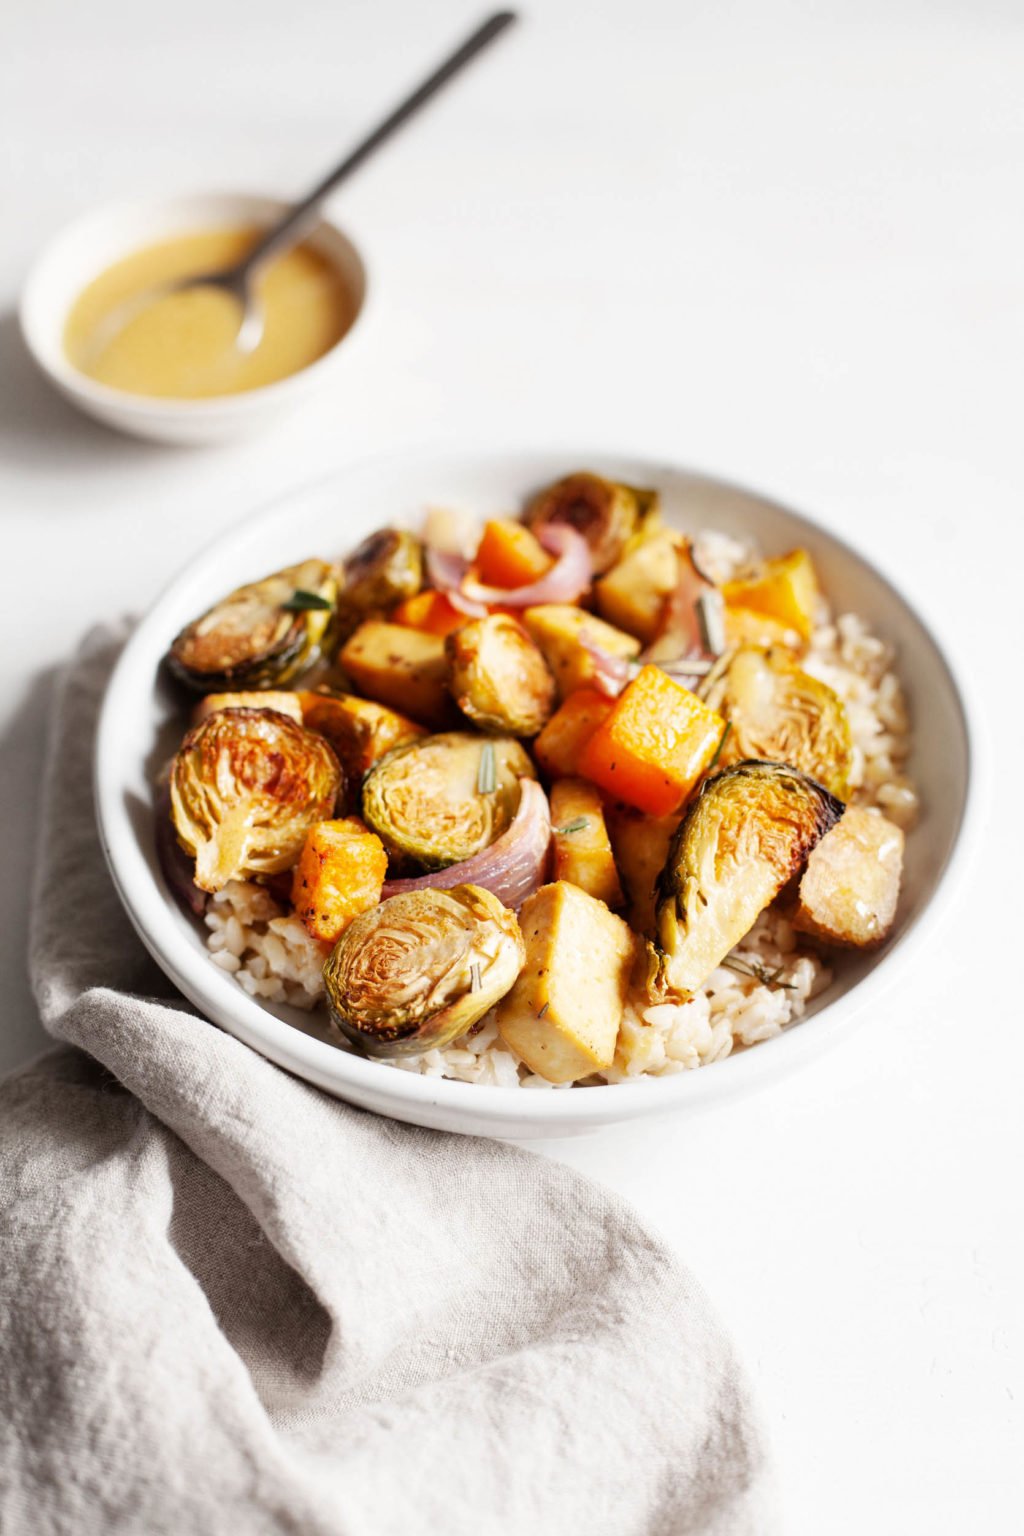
783	242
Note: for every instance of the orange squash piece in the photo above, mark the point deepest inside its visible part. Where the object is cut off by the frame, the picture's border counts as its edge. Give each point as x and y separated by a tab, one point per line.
510	555
429	611
558	747
340	873
654	745
786	589
359	730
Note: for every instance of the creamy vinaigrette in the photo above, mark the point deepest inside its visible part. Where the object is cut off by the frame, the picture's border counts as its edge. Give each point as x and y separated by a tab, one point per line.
182	345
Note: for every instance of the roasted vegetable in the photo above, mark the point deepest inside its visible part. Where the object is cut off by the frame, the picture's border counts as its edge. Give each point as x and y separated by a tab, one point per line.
404	668
284	703
778	712
632	594
498	677
562	1016
786	589
509	555
564	633
748	832
851	886
340	873
654	745
582	852
360	731
604	512
421	969
261	635
246	786
640	844
745	626
561	742
383	570
431	611
442	799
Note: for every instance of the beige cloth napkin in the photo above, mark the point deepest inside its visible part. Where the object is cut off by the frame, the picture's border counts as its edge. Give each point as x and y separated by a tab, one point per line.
229	1303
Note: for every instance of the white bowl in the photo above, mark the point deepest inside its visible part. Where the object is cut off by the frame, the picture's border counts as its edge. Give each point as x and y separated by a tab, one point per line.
141	724
91	244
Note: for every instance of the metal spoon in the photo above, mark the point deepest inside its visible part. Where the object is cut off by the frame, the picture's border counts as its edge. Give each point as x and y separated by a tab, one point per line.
239	280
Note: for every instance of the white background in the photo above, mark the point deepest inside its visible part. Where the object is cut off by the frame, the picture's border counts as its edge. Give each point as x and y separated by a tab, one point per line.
779	241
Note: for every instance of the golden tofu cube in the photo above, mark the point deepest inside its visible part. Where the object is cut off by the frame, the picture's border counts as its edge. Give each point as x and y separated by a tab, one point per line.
562	1016
557	628
786	589
406	669
851	886
583	854
640	844
632	595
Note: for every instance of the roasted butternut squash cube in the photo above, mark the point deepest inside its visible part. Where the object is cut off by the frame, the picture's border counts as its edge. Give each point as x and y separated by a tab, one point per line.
851	886
745	626
557	628
340	873
562	1016
510	555
582	852
430	611
558	747
406	669
632	595
786	589
359	730
653	747
640	844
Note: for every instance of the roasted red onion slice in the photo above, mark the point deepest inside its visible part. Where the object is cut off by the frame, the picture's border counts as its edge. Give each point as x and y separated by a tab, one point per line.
567	579
447	572
511	868
611	673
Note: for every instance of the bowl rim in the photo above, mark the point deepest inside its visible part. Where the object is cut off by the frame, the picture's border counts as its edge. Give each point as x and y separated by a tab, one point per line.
150	909
43	337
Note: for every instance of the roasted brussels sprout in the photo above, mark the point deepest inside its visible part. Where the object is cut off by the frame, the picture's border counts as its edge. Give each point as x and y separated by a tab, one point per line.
778	712
246	786
261	635
383	570
442	799
604	512
749	830
422	968
498	676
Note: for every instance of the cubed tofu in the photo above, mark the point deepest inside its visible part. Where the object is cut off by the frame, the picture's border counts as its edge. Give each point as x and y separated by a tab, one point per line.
582	852
340	873
359	730
213	703
745	626
558	747
640	844
786	589
557	627
405	669
632	595
850	889
562	1016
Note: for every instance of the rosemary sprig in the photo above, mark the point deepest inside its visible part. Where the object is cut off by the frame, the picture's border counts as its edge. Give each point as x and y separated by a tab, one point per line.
474	976
711	621
758	972
576	825
543	1010
487	773
718	749
306	602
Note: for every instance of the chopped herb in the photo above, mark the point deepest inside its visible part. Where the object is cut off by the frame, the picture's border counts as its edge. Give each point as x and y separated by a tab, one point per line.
543	1011
758	972
721	744
487	773
474	974
306	602
576	825
711	621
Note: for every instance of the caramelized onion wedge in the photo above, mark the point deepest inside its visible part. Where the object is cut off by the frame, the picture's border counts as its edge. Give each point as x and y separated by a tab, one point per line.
512	868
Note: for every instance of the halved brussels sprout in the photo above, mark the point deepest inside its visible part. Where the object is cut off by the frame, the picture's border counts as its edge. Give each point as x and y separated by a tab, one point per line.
782	714
246	786
261	635
749	830
440	800
380	572
498	676
605	512
420	969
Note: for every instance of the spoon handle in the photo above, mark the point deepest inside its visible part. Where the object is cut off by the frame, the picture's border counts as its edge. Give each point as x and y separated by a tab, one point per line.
303	215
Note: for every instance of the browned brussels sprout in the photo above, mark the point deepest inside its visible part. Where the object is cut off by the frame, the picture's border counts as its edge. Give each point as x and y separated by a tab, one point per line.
421	968
747	833
443	798
778	712
498	676
384	569
246	786
605	512
261	635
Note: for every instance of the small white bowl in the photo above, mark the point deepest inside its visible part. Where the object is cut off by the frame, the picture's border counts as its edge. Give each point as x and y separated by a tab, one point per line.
141	724
93	243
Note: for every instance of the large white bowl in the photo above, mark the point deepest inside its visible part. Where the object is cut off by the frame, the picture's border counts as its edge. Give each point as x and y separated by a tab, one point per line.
141	723
93	243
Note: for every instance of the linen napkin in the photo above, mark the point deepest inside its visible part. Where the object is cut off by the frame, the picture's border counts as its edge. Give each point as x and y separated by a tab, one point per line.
230	1303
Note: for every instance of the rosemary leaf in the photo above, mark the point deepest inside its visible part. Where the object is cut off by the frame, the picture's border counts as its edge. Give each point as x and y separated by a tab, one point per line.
474	975
576	825
711	621
487	773
758	972
306	602
718	749
543	1011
